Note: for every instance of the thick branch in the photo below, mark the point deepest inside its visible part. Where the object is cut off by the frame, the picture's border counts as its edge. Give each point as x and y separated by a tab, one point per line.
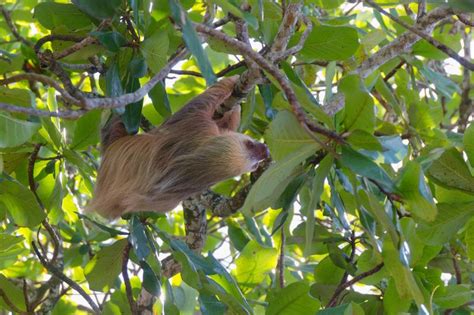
93	103
286	30
403	43
274	72
426	37
115	102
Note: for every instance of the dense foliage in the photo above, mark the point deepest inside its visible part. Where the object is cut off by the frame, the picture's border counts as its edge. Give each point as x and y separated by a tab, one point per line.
367	206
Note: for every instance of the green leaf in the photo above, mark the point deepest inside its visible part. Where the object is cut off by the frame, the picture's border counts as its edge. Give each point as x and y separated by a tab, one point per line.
293	299
404	280
18	97
52	132
13	293
451	217
86	170
7	241
52	15
317	188
20	202
133	112
138	67
371	204
113	84
468	141
102	271
392	302
452	296
254	262
450	171
330	43
210	305
444	85
87	130
98	9
138	238
326	272
362	165
393	150
155	49
192	41
14	132
160	100
227	282
285	135
274	180
236	235
150	281
359	106
364	140
416	193
345	309
111	40
469	239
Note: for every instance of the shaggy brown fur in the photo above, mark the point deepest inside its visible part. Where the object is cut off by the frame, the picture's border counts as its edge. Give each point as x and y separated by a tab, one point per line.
187	154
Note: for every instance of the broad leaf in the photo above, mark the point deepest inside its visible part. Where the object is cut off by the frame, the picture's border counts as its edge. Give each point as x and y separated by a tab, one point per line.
273	182
293	299
451	217
20	202
450	171
14	132
330	43
99	9
102	271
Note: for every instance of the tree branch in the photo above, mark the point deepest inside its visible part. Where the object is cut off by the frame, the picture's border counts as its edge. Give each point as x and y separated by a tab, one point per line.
61	276
43	79
274	72
426	37
403	43
351	282
12	26
9	303
126	279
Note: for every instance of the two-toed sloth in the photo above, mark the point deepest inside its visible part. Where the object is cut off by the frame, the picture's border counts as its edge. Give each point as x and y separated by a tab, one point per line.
188	153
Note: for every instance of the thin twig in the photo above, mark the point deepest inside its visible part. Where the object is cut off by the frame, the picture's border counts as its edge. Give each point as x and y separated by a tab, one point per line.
43	79
186	72
457	270
53	37
126	279
394	70
12	26
89	40
58	274
31	181
351	282
450	52
9	303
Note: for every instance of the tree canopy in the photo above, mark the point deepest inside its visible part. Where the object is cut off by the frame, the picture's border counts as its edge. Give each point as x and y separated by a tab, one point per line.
365	207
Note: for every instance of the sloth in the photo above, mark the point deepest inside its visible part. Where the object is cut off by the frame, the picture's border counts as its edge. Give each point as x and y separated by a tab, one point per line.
187	154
